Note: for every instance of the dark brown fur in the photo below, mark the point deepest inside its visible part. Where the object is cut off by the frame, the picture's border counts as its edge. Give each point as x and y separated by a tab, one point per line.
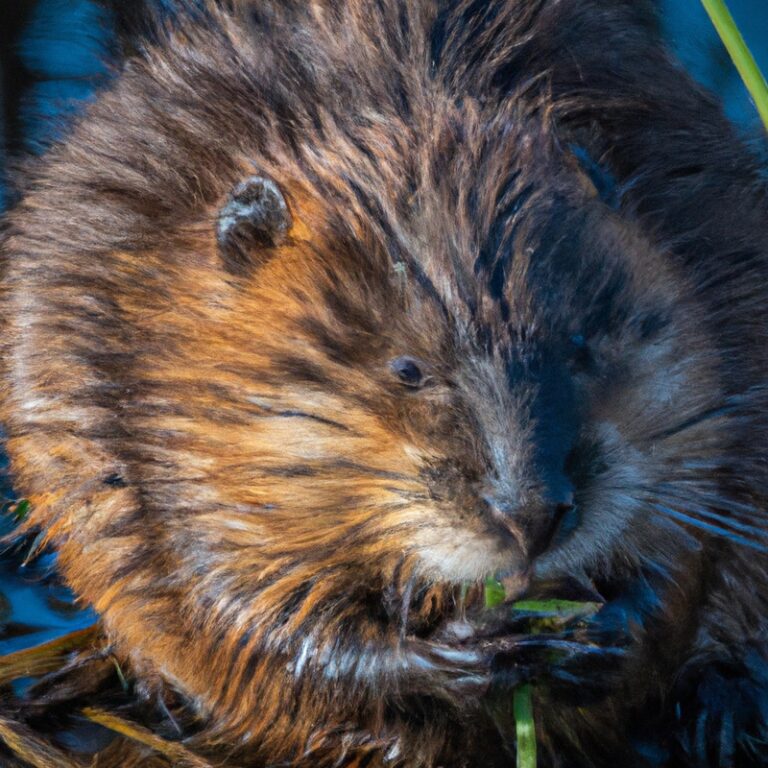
527	198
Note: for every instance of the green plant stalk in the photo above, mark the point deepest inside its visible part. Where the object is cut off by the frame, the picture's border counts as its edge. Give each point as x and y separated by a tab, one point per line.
525	727
522	697
740	53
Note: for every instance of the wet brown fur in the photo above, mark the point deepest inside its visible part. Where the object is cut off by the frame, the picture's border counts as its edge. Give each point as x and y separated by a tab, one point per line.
264	518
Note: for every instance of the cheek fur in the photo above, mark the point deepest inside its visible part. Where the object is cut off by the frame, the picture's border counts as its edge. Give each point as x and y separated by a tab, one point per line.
634	451
446	553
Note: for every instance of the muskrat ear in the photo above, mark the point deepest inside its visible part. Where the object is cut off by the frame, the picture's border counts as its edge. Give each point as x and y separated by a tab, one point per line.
254	218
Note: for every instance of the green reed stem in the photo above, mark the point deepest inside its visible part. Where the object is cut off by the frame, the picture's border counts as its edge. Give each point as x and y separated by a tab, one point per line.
525	727
740	53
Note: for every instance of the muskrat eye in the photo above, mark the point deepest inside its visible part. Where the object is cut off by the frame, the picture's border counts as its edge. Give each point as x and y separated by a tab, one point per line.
408	371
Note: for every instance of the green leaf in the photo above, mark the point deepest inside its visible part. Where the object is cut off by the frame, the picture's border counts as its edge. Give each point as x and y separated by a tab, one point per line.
557	607
494	592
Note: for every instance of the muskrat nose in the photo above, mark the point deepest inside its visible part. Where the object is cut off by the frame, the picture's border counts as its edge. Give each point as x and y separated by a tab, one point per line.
534	528
502	512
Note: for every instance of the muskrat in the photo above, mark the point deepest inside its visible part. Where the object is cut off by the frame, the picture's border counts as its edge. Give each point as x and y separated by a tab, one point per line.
325	311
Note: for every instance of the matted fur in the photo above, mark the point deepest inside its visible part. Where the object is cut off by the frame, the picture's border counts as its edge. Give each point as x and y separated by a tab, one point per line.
531	200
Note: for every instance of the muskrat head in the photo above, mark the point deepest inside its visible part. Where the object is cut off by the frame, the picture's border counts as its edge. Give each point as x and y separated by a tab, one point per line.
499	377
294	419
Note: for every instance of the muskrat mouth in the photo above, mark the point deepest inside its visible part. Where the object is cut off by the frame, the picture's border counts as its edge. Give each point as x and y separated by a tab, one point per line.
527	607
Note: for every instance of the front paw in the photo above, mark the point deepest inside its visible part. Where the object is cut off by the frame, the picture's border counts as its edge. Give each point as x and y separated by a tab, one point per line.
581	666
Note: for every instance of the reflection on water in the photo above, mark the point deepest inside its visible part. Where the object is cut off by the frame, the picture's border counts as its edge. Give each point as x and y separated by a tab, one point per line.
61	43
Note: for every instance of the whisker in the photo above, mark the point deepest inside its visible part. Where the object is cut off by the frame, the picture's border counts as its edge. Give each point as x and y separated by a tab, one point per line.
735	508
694	421
744	404
708	527
742	509
740	515
724	520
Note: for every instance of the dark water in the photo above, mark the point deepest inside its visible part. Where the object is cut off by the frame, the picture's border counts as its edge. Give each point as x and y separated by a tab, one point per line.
34	606
63	43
